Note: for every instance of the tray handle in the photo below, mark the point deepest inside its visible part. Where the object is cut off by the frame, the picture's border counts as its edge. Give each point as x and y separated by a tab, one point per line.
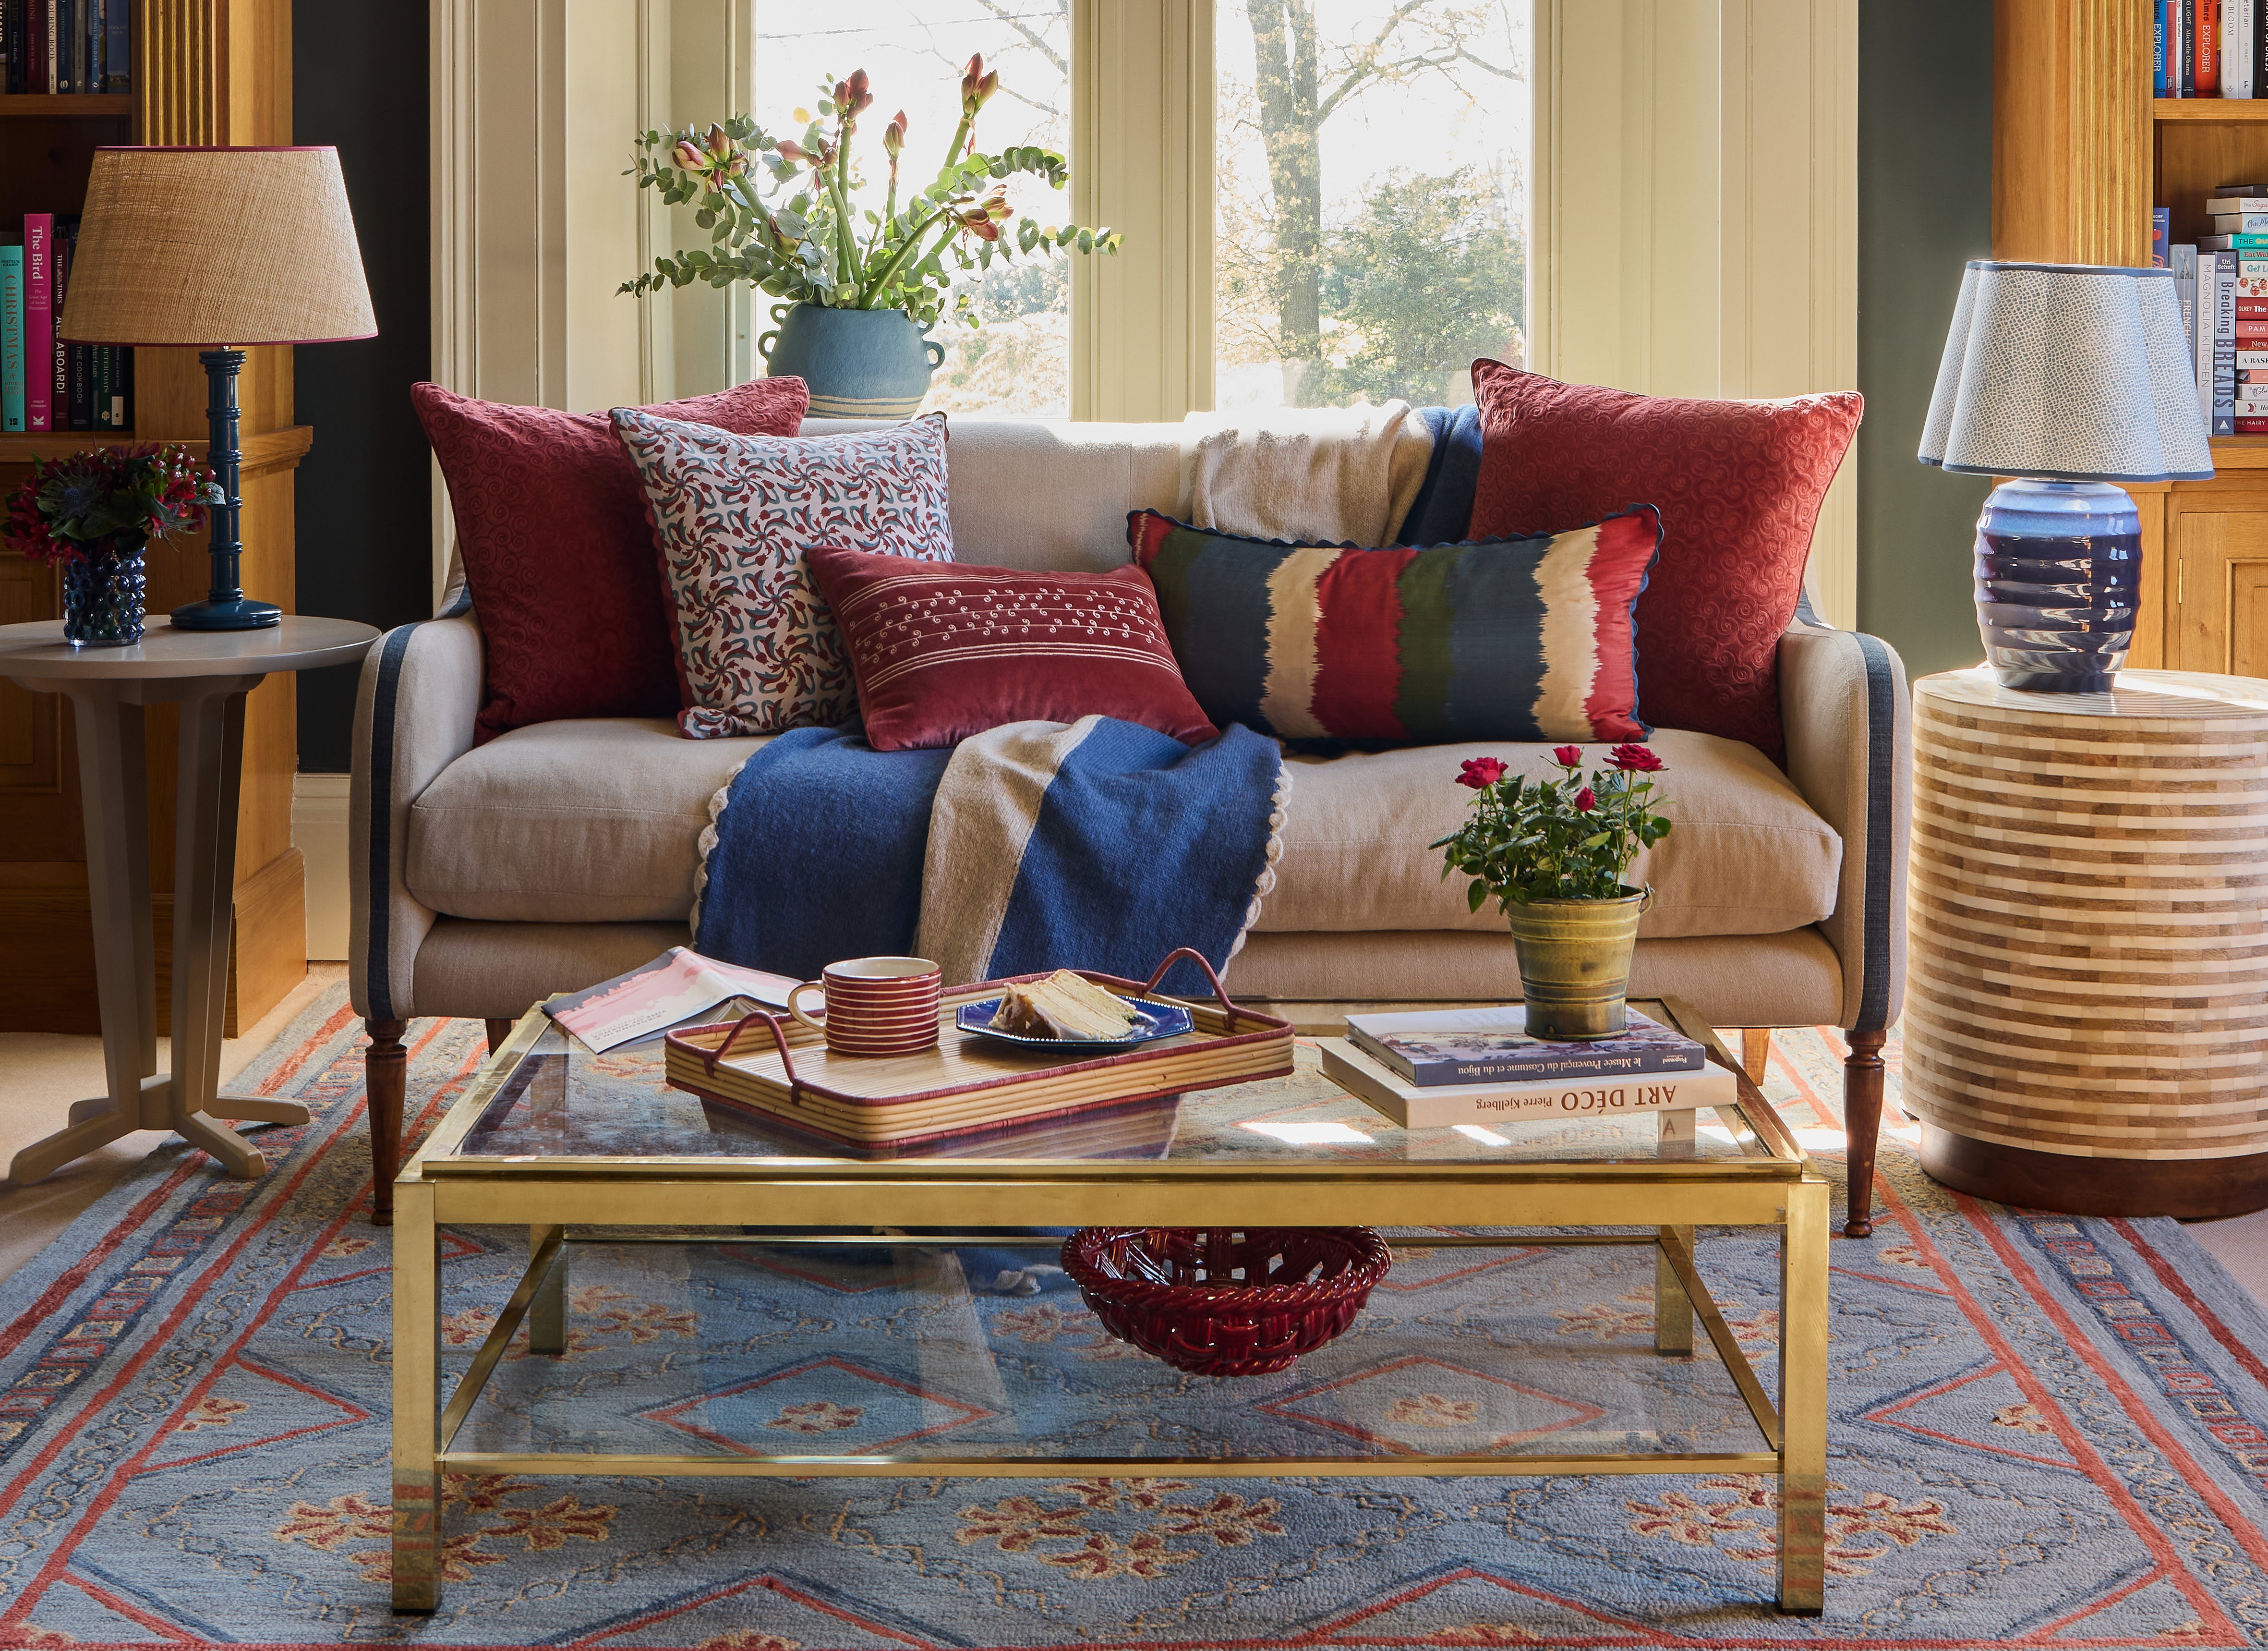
1198	958
779	1039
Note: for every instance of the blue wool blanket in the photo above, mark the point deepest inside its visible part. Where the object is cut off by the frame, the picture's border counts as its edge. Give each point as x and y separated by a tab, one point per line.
1100	845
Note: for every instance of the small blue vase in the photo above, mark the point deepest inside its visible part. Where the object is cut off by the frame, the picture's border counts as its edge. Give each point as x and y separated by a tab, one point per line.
859	363
2058	579
103	595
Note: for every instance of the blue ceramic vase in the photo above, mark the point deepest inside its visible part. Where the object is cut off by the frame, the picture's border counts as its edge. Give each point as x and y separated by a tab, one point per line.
859	363
2058	578
103	595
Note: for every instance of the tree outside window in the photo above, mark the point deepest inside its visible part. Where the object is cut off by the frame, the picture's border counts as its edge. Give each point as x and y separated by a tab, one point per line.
1372	181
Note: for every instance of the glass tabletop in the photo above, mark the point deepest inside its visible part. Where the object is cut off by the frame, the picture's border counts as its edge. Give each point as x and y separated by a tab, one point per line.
558	1100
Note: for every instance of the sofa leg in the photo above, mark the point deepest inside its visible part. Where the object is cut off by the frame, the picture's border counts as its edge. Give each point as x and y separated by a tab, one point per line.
385	1075
1862	1123
498	1030
1756	1053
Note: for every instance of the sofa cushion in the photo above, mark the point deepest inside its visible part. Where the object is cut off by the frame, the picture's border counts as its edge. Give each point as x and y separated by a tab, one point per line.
1526	638
1739	485
1746	854
552	535
943	653
734	517
590	821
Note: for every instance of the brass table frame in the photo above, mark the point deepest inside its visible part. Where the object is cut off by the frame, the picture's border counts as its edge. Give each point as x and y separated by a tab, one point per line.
682	1195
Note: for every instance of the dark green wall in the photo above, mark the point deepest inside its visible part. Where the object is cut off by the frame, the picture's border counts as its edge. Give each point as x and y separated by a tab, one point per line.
364	498
1925	207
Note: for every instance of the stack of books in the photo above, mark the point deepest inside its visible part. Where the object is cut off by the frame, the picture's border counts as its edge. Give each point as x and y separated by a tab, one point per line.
46	383
2222	284
1439	1068
59	46
2209	48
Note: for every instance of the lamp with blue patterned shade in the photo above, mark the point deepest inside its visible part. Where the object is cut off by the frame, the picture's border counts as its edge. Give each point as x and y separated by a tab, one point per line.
2070	379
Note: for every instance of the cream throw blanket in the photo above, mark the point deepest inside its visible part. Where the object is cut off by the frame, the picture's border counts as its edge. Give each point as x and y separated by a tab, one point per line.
1330	476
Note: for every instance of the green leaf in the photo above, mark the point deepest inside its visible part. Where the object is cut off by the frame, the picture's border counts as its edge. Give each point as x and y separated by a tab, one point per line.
1475	895
1086	241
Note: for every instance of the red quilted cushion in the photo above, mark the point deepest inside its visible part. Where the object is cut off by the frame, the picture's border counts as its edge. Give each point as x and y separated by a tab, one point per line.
558	554
1739	485
942	650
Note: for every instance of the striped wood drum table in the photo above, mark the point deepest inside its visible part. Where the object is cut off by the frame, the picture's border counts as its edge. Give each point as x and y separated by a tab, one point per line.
2086	1008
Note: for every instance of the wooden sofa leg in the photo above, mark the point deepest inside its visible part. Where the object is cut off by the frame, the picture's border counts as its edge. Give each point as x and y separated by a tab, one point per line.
385	1075
1756	1053
498	1030
1862	1123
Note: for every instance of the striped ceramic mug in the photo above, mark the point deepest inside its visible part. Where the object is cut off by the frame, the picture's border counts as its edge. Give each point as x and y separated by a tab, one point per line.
876	1006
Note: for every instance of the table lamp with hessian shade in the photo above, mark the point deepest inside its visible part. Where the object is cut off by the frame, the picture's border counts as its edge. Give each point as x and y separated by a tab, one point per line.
218	248
2070	379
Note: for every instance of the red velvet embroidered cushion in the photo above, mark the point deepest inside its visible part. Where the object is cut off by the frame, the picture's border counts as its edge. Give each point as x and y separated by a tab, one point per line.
1739	484
945	651
557	551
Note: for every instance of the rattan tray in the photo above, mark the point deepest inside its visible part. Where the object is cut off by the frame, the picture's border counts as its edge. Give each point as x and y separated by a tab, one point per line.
966	1085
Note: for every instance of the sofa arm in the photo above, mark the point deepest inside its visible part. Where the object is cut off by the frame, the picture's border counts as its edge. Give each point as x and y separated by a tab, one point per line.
421	691
1850	751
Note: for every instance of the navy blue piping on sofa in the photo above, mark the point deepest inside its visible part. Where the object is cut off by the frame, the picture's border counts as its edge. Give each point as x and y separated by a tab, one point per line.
1881	713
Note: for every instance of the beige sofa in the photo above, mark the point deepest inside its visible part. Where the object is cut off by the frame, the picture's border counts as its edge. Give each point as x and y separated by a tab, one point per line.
562	854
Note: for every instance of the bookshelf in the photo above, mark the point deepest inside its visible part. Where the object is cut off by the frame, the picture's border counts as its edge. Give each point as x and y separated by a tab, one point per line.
2082	152
206	71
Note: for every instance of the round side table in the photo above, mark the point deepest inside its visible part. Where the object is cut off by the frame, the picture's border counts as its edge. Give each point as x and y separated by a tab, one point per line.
2087	1001
207	672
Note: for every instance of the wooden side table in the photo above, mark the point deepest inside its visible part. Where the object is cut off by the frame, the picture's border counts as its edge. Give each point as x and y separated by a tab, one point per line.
207	672
2087	999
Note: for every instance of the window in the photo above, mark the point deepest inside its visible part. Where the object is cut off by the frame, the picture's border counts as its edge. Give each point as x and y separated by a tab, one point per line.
1371	198
914	52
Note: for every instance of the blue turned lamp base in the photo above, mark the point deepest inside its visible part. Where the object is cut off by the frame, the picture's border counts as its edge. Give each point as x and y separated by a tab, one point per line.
2058	579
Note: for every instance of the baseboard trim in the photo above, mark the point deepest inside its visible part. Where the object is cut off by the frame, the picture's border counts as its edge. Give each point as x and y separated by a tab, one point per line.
319	831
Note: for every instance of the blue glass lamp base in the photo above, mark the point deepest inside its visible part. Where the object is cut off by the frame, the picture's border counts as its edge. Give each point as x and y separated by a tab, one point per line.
240	614
2058	582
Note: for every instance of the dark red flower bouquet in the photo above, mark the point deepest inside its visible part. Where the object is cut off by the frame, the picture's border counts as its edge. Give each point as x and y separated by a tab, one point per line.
107	501
1568	838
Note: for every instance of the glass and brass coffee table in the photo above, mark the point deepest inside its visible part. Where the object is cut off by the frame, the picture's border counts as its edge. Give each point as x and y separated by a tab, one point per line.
753	1367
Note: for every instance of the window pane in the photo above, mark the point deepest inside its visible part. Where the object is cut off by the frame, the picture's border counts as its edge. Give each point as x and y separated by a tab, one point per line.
913	50
1372	187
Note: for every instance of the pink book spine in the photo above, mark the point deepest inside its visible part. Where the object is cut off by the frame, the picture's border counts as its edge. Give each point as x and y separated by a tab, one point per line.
39	318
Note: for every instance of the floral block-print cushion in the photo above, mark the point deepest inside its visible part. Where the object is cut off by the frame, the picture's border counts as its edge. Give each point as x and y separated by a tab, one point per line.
733	518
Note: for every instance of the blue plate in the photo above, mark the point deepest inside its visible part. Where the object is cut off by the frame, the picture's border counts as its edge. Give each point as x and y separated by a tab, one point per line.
1158	1019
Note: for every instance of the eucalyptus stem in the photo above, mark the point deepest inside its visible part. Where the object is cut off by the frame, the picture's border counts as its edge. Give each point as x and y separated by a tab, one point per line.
880	281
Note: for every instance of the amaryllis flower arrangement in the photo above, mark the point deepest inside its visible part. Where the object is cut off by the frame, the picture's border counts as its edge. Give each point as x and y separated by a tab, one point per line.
810	240
107	501
1571	837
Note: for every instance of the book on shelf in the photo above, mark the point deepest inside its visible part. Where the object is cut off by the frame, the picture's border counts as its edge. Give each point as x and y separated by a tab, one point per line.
1434	1047
2239	20
2182	259
2162	235
1420	1107
39	321
2222	409
11	334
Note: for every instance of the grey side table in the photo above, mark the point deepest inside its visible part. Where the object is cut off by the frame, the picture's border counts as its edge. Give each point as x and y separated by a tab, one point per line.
207	672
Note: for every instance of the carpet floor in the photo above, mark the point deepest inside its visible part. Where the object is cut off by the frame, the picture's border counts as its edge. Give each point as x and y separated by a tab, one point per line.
2044	1431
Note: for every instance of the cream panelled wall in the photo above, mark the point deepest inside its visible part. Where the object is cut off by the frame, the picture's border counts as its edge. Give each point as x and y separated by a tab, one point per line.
533	104
1695	184
1697	210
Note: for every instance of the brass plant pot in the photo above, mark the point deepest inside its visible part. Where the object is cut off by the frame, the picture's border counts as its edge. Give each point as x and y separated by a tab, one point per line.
1575	962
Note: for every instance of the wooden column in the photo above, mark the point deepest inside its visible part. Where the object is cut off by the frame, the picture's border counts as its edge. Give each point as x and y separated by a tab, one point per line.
2071	131
2086	1010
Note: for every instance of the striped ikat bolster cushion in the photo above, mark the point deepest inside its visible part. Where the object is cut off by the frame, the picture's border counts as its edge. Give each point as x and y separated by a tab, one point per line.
1529	638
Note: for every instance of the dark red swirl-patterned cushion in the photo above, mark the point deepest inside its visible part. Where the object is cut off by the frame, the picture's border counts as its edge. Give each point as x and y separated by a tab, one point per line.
944	652
1739	484
735	516
559	556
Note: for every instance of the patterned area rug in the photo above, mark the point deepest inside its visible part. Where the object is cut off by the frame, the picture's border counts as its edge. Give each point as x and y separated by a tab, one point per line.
2045	1431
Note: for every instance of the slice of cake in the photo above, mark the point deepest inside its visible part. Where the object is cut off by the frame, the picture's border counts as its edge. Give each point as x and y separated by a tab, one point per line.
1063	1006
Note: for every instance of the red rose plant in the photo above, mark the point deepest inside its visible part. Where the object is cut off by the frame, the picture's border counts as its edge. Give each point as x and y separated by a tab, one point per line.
1571	837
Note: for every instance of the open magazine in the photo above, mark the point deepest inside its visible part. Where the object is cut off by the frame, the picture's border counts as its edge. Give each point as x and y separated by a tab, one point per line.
650	999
